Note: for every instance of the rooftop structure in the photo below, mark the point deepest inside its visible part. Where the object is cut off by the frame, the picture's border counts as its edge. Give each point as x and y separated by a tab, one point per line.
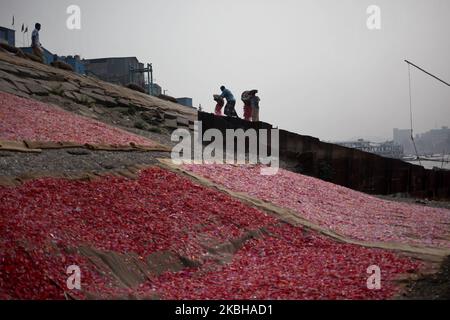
187	102
116	70
8	36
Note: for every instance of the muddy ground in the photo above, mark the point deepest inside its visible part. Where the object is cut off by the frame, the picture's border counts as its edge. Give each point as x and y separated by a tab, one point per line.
431	287
416	201
72	160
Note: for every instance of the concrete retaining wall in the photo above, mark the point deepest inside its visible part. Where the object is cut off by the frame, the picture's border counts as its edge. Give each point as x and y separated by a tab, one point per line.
351	168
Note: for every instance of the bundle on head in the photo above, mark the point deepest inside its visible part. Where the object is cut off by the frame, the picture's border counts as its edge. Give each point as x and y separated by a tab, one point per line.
218	98
61	65
246	96
135	87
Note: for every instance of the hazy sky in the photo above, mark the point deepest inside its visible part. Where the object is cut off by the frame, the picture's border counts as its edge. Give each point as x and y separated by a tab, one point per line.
319	69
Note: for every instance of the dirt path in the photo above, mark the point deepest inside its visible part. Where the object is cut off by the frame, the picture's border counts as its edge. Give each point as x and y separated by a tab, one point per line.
432	287
72	161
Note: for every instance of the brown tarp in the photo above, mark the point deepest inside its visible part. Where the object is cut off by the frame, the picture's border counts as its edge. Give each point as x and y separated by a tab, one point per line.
19	146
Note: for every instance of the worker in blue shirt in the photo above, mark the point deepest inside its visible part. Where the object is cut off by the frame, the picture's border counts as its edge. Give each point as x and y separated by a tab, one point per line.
230	110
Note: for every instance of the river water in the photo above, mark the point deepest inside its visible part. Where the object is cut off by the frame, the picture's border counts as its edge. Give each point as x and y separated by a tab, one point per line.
431	164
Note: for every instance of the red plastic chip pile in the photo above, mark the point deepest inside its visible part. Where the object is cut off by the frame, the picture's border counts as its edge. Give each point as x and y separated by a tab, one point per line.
25	119
43	223
291	264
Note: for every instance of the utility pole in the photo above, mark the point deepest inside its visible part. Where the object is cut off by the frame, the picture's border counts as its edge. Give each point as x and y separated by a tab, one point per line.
150	77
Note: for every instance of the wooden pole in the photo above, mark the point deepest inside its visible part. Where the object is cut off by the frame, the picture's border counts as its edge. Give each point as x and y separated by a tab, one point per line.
428	73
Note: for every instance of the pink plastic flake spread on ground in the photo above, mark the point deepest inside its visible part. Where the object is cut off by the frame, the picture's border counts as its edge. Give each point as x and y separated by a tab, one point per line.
26	119
345	211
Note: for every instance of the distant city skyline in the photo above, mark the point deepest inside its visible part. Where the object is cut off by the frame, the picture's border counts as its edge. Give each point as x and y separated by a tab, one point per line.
381	139
319	69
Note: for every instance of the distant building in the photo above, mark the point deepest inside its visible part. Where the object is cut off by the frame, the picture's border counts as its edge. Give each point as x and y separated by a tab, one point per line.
402	137
156	89
8	36
432	142
49	57
387	149
185	102
116	70
75	62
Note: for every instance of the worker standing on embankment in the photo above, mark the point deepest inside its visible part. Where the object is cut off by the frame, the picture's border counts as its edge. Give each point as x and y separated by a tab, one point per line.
230	110
35	42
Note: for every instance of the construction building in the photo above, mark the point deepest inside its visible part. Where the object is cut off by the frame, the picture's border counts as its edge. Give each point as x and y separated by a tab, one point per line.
116	70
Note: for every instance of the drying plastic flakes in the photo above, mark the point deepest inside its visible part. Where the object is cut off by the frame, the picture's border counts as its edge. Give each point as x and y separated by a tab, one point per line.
44	222
337	208
290	264
25	119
